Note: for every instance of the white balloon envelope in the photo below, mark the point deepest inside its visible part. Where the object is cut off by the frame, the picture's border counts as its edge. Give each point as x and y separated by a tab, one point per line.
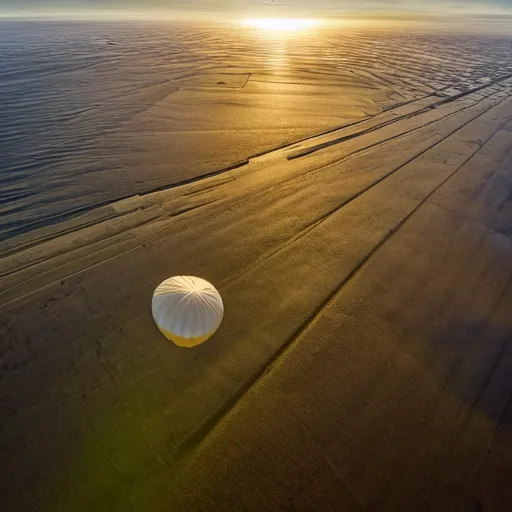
187	310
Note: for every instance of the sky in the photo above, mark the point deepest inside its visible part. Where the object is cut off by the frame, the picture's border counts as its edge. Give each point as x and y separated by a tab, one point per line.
265	8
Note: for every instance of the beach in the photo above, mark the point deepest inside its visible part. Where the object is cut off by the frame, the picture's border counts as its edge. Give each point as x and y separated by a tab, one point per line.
365	264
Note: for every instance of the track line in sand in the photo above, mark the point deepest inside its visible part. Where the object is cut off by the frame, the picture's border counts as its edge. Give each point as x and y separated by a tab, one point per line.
313	149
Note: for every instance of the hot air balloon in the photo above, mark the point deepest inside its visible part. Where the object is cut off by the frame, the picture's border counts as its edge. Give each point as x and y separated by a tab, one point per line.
187	310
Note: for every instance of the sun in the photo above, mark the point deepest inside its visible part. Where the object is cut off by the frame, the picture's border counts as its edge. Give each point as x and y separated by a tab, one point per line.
280	24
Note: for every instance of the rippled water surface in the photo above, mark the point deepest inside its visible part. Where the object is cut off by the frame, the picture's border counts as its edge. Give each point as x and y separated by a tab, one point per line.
92	112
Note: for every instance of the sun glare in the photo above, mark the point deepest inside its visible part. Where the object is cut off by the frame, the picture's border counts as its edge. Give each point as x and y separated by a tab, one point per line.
280	24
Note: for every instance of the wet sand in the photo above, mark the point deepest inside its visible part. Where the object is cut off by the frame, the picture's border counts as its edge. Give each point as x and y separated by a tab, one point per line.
364	360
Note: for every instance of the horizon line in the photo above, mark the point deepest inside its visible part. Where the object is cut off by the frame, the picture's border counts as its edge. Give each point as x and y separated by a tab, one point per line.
357	14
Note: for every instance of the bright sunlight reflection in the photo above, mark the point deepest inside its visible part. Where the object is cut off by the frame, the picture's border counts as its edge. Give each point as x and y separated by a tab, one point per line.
280	24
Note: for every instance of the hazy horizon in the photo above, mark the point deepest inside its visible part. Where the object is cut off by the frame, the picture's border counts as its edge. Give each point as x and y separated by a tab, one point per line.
337	9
